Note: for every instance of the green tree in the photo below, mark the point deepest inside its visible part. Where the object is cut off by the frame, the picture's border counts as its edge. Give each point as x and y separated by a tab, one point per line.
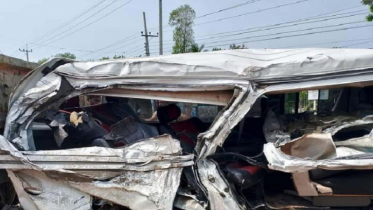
370	4
66	55
237	47
119	56
182	19
43	60
60	55
104	58
196	48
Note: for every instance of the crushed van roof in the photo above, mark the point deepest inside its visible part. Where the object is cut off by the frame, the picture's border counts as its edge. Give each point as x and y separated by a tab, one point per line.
252	64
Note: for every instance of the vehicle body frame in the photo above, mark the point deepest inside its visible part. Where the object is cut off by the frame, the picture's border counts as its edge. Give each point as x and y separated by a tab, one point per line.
126	176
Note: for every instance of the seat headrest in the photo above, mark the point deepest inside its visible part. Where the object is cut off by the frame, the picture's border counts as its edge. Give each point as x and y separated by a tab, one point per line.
168	113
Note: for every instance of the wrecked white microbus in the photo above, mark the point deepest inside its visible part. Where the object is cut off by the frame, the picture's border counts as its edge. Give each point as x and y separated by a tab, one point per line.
235	129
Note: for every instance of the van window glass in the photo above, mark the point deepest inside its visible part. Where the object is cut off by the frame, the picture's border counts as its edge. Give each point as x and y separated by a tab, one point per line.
290	103
147	110
307	103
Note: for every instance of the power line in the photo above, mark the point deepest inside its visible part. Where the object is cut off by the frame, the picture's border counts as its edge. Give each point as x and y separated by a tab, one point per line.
244	14
129	38
253	12
58	28
134	53
298	35
297	22
107	14
312	19
295	35
135	49
44	45
89	17
121	47
282	25
228	8
304	19
286	32
358	44
224	9
325	43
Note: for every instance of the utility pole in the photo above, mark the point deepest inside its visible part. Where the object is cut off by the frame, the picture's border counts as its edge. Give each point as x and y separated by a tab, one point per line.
160	29
26	51
146	35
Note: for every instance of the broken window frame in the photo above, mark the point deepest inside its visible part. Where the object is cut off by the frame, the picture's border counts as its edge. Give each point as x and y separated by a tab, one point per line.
277	160
190	85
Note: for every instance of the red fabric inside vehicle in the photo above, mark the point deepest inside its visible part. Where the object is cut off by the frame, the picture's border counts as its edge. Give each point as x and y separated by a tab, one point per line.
186	130
244	176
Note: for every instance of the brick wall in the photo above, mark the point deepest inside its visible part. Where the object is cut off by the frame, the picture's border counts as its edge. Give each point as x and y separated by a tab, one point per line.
11	72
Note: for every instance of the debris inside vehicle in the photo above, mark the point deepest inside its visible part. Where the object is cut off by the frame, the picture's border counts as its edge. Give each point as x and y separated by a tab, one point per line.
258	129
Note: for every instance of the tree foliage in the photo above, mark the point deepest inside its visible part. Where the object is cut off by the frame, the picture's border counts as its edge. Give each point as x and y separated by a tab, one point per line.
114	57
216	49
66	55
182	19
104	58
370	4
196	48
61	55
118	56
237	47
43	60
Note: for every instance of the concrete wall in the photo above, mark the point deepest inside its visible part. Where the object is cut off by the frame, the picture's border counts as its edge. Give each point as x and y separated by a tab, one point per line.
11	72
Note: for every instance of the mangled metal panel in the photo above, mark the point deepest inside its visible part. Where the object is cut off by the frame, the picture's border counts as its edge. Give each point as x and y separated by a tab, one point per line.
158	153
220	194
143	175
229	69
253	64
36	191
320	151
314	146
137	190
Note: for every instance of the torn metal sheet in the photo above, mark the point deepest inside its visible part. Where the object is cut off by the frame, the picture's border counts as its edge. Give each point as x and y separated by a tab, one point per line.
303	154
368	121
36	191
152	154
137	190
186	203
220	195
279	161
24	107
314	146
144	175
185	200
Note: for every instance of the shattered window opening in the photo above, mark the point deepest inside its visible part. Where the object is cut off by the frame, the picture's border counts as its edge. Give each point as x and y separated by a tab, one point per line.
101	124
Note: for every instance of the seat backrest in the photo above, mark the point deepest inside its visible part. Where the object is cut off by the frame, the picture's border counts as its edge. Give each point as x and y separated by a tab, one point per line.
188	130
169	113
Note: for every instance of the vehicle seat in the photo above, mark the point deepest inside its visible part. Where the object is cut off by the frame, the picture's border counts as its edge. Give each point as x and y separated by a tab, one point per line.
343	182
244	176
167	114
111	113
186	131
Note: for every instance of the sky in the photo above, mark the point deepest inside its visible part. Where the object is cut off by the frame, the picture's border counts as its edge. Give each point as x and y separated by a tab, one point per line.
114	27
